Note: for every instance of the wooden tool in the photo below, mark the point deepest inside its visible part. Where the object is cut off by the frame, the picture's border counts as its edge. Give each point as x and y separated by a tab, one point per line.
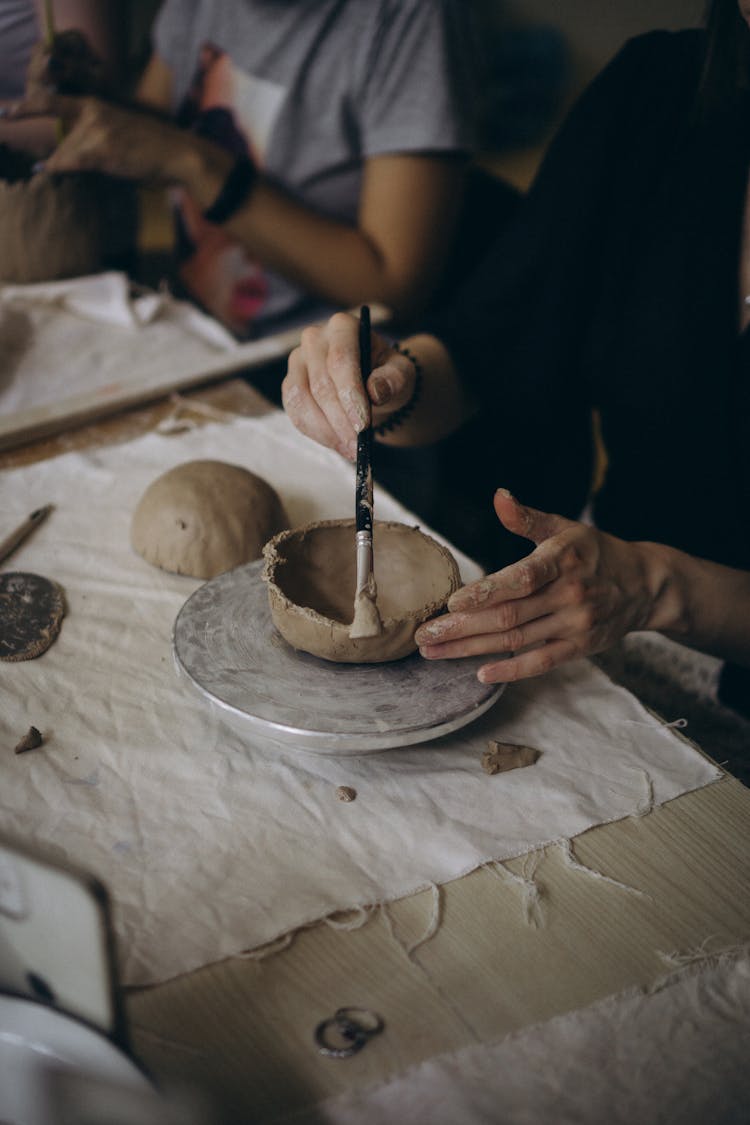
43	421
366	621
10	542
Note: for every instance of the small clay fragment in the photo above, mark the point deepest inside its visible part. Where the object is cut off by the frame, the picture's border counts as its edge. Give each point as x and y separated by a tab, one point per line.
31	613
346	793
30	741
502	756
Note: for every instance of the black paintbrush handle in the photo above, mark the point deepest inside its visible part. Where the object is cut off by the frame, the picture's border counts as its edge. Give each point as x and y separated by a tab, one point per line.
363	486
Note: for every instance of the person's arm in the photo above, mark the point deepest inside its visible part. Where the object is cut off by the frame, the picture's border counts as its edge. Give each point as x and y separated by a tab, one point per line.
101	24
155	84
391	255
324	397
579	592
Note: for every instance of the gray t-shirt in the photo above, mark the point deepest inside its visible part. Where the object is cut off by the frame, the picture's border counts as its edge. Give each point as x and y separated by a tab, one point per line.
313	87
18	34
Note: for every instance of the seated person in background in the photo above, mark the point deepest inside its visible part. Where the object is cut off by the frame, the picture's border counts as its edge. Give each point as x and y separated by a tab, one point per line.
617	288
322	151
22	26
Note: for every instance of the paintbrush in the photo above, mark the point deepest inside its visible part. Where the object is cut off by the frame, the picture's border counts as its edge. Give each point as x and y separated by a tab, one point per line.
366	621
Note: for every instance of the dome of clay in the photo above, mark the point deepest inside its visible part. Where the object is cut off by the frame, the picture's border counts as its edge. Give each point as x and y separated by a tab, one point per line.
202	518
311	576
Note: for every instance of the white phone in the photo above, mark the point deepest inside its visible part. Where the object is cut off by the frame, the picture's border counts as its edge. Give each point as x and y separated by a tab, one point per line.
56	938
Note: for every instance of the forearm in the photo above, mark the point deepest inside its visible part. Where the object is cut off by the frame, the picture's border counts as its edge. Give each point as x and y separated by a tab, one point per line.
392	254
337	261
699	603
442	405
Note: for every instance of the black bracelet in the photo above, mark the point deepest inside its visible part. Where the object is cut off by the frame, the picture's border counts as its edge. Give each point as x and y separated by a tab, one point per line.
235	190
403	412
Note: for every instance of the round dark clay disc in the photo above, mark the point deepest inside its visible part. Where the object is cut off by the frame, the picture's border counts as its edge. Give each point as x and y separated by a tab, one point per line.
31	613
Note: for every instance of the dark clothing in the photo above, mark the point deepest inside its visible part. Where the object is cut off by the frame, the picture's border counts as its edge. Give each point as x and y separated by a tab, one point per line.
617	288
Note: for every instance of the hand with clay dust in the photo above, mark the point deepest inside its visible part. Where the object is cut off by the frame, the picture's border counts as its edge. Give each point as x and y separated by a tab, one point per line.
322	392
578	593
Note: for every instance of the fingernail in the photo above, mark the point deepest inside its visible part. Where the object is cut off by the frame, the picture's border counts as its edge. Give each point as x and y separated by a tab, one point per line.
430	632
504	492
380	389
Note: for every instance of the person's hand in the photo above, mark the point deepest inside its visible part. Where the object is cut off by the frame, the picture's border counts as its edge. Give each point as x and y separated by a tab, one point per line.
69	66
130	142
578	593
323	392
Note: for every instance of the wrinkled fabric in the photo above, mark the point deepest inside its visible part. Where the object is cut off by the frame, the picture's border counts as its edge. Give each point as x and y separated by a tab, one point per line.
92	334
678	1055
212	841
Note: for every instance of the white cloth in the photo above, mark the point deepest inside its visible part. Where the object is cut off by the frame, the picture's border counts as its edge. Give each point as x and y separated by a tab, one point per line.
678	1055
63	338
212	843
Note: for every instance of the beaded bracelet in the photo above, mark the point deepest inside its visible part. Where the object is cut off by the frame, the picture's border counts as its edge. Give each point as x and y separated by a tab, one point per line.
403	412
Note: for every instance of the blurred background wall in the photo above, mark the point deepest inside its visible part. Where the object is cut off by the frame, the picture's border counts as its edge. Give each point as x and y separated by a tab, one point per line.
539	56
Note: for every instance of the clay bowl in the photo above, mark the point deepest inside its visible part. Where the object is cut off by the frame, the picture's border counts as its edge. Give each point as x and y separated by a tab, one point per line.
58	226
311	577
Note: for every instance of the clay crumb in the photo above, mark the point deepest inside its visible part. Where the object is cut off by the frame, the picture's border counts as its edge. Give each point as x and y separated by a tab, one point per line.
30	741
346	793
502	756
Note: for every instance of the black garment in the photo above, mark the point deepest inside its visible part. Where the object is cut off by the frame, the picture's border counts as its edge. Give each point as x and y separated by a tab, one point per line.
616	288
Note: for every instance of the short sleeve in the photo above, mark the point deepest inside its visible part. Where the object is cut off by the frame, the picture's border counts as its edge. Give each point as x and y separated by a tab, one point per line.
172	39
417	90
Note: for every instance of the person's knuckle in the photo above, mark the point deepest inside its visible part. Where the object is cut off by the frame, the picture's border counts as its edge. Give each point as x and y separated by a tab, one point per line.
570	557
545	660
505	616
576	592
340	322
309	338
512	640
525	578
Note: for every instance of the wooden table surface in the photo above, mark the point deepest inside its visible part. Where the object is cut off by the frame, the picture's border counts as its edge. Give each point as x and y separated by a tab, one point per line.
242	1031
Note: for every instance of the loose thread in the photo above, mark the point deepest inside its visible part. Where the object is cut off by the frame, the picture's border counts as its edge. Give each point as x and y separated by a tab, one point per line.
677	724
363	915
270	949
531	895
684	965
571	861
647	806
434	922
676	960
408	952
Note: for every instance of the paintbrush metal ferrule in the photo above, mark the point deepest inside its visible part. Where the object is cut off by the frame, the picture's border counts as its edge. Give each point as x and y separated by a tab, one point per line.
364	559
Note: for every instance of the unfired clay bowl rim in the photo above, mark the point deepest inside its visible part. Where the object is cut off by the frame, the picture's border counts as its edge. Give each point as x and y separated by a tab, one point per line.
272	557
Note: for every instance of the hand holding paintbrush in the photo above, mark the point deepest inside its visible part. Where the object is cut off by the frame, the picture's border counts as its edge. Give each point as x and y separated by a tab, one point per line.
366	621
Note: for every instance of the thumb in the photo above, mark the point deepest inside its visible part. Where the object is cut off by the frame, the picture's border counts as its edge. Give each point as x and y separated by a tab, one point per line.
527	522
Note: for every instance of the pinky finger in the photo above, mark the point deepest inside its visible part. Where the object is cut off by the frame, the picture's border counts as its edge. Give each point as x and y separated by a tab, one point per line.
535	662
